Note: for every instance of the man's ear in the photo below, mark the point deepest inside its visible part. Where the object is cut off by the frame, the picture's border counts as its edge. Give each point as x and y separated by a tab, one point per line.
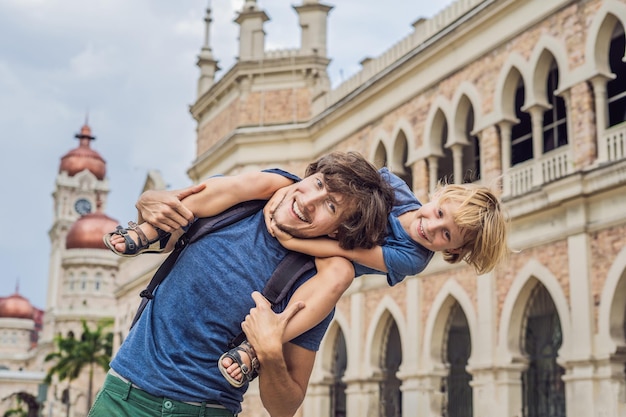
333	235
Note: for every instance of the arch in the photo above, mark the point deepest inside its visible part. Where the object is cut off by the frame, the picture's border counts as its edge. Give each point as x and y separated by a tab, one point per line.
515	303
380	151
403	125
513	69
436	122
612	307
547	50
450	293
324	361
600	33
398	160
466	96
386	310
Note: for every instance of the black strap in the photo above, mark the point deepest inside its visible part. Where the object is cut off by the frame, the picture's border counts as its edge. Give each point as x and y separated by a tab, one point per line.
290	268
199	228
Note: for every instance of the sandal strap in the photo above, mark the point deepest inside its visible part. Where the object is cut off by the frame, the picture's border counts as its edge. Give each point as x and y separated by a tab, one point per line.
254	361
141	236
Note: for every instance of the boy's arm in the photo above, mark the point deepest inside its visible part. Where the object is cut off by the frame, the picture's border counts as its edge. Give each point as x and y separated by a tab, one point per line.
325	247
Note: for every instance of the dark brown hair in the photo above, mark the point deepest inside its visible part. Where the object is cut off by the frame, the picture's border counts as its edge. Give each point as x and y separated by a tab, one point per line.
368	196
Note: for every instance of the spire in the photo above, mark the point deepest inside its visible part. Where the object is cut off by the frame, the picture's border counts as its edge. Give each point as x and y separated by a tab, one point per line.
85	133
207	64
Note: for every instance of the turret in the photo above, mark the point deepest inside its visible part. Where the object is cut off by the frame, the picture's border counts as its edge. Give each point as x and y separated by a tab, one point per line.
251	33
313	22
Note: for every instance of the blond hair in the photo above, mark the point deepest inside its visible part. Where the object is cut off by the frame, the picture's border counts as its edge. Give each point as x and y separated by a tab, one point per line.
483	224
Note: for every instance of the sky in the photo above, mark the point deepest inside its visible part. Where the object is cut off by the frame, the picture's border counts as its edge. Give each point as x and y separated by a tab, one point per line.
129	68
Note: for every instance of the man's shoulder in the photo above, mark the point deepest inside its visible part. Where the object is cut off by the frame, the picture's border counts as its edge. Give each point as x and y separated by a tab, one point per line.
283	173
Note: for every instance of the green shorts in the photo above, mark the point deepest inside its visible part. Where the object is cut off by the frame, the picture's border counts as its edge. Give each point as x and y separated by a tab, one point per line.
121	398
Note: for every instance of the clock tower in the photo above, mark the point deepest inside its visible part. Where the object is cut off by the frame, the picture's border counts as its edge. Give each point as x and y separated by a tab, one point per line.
80	193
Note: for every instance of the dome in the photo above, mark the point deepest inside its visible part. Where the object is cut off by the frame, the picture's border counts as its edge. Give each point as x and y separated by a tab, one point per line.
17	307
83	157
87	231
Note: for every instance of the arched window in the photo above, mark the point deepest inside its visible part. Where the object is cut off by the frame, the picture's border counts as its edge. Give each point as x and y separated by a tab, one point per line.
542	384
98	281
83	280
390	394
458	347
445	167
400	155
471	153
554	118
521	133
616	88
338	387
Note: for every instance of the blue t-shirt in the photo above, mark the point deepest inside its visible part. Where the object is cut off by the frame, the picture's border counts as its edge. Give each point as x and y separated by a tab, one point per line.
402	255
172	351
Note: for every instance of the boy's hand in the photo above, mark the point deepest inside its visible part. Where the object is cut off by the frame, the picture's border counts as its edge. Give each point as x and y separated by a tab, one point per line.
164	209
283	237
270	207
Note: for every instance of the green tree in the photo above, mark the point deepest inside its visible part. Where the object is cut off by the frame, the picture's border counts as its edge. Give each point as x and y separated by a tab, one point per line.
21	398
72	356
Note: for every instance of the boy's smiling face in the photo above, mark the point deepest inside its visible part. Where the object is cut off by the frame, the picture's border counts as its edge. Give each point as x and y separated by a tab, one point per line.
434	228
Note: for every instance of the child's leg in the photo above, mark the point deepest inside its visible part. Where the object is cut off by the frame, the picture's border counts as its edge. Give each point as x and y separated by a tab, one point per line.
320	294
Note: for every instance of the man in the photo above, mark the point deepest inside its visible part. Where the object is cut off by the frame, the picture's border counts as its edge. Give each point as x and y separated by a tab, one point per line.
168	363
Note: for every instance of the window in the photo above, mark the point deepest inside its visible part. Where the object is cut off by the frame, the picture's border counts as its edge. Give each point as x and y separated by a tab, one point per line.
471	153
542	384
521	133
390	394
555	118
616	88
338	387
458	398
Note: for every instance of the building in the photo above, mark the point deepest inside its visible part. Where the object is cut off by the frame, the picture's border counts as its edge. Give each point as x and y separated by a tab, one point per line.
81	283
527	96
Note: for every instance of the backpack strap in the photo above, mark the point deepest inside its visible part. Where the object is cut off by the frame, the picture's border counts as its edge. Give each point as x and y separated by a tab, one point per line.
197	230
291	267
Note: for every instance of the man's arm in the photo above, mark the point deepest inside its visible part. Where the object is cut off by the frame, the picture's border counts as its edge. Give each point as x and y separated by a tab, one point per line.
285	369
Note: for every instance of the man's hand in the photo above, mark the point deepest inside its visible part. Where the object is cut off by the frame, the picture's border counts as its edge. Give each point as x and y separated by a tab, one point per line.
164	209
264	329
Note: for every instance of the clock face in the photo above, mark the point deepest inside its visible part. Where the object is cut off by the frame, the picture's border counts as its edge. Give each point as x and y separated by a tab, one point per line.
82	206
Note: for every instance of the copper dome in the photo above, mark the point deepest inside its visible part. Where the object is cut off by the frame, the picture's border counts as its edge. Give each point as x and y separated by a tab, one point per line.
87	231
17	307
83	157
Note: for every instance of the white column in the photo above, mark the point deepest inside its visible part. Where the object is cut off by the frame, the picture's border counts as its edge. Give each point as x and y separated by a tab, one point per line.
408	371
602	119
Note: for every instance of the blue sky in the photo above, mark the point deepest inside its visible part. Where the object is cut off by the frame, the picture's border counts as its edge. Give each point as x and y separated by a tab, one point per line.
130	65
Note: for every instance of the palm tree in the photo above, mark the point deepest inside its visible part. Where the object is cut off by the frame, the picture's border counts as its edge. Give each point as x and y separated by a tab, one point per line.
72	356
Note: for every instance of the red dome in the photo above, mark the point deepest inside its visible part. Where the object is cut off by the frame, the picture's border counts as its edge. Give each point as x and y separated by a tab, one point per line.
83	157
87	231
17	307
